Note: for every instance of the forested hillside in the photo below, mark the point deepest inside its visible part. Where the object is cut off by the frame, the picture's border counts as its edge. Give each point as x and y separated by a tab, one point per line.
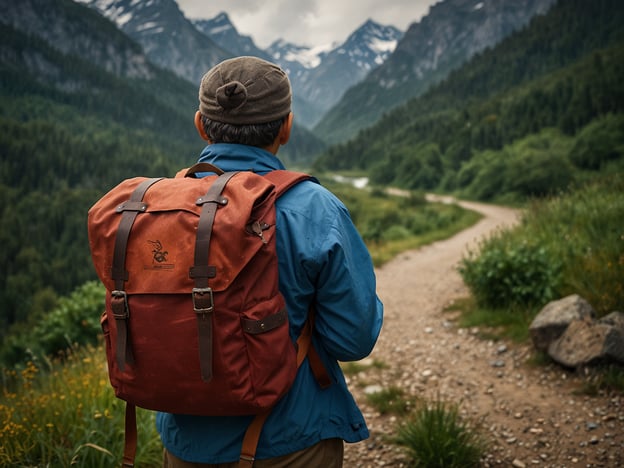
540	110
69	131
81	108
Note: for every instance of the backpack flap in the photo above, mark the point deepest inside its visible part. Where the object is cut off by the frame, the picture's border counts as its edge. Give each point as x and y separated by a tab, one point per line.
162	242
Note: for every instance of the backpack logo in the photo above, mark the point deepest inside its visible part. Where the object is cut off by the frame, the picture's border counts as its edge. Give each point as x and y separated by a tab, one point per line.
159	257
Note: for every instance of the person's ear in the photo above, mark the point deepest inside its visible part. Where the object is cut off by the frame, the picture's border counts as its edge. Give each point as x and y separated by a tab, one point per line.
284	134
199	125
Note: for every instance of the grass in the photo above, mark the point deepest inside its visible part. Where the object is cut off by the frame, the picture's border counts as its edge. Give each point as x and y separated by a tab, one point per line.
355	367
391	400
494	324
569	244
68	415
436	436
391	224
604	379
382	252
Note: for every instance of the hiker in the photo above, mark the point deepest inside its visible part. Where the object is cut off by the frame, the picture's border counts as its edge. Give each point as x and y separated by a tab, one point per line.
245	116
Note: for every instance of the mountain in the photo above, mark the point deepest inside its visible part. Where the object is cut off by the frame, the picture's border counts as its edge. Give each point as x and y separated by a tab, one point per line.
67	54
452	32
189	48
221	30
319	75
168	38
538	112
73	30
342	67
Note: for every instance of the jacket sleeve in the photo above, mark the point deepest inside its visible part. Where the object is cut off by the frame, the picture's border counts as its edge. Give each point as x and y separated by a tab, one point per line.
348	312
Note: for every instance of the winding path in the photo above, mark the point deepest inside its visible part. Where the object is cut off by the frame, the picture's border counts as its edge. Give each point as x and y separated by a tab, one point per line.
533	415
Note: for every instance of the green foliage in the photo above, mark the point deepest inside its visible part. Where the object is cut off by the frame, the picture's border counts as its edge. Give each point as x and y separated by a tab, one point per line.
494	323
572	243
390	400
68	415
599	142
74	321
584	230
506	273
436	436
604	379
390	224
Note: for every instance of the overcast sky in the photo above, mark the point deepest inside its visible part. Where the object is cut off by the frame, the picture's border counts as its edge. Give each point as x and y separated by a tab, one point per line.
307	22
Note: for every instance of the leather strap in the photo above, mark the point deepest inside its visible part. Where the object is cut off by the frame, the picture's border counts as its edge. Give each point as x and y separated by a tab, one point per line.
130	442
252	435
119	300
202	167
283	180
254	327
201	272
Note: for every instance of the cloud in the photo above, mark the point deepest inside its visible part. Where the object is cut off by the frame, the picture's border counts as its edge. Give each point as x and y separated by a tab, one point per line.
307	22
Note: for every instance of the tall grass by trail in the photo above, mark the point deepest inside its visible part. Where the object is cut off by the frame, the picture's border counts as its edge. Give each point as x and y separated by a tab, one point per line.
67	415
569	244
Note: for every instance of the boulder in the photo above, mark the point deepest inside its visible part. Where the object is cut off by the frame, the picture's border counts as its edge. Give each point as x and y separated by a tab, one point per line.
550	323
616	319
586	342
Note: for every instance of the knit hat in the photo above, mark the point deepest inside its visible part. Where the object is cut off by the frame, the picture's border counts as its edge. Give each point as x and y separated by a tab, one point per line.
243	91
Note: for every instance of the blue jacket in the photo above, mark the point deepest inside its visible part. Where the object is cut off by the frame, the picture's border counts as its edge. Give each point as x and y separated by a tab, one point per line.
322	258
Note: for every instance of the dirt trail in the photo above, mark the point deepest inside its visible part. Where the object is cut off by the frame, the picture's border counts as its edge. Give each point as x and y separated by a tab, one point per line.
533	415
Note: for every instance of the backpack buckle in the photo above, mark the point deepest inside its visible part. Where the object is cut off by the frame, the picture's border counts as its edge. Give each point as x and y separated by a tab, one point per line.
203	300
119	304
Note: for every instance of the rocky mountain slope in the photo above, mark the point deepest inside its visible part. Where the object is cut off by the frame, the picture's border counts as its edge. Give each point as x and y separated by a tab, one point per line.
452	32
168	38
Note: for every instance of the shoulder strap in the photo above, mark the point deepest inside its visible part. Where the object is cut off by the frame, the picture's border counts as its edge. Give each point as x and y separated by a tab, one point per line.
284	180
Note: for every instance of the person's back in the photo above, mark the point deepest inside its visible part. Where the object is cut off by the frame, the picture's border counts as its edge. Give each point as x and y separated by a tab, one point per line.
244	114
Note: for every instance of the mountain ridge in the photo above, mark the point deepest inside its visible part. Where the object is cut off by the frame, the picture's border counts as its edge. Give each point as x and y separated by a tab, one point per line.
451	33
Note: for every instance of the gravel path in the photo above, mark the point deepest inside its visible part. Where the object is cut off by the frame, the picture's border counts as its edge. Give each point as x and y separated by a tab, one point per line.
533	415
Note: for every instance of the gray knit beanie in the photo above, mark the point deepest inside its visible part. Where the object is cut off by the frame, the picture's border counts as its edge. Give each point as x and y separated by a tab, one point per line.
243	91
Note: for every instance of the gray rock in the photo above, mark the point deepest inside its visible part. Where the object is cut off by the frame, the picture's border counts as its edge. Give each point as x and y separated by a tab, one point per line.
587	342
554	318
616	319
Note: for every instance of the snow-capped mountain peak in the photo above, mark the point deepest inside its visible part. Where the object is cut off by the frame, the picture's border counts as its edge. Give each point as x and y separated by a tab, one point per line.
221	30
288	54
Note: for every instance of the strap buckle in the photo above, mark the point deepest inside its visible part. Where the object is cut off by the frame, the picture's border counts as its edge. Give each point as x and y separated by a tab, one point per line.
203	300
121	311
246	460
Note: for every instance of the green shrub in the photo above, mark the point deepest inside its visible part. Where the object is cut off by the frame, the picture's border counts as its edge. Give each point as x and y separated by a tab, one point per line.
570	244
436	436
395	233
599	142
508	273
74	320
584	229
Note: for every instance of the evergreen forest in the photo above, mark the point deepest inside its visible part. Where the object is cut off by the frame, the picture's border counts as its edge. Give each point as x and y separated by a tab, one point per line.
527	118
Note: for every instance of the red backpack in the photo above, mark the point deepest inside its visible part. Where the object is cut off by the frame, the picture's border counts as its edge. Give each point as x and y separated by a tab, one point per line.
194	320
